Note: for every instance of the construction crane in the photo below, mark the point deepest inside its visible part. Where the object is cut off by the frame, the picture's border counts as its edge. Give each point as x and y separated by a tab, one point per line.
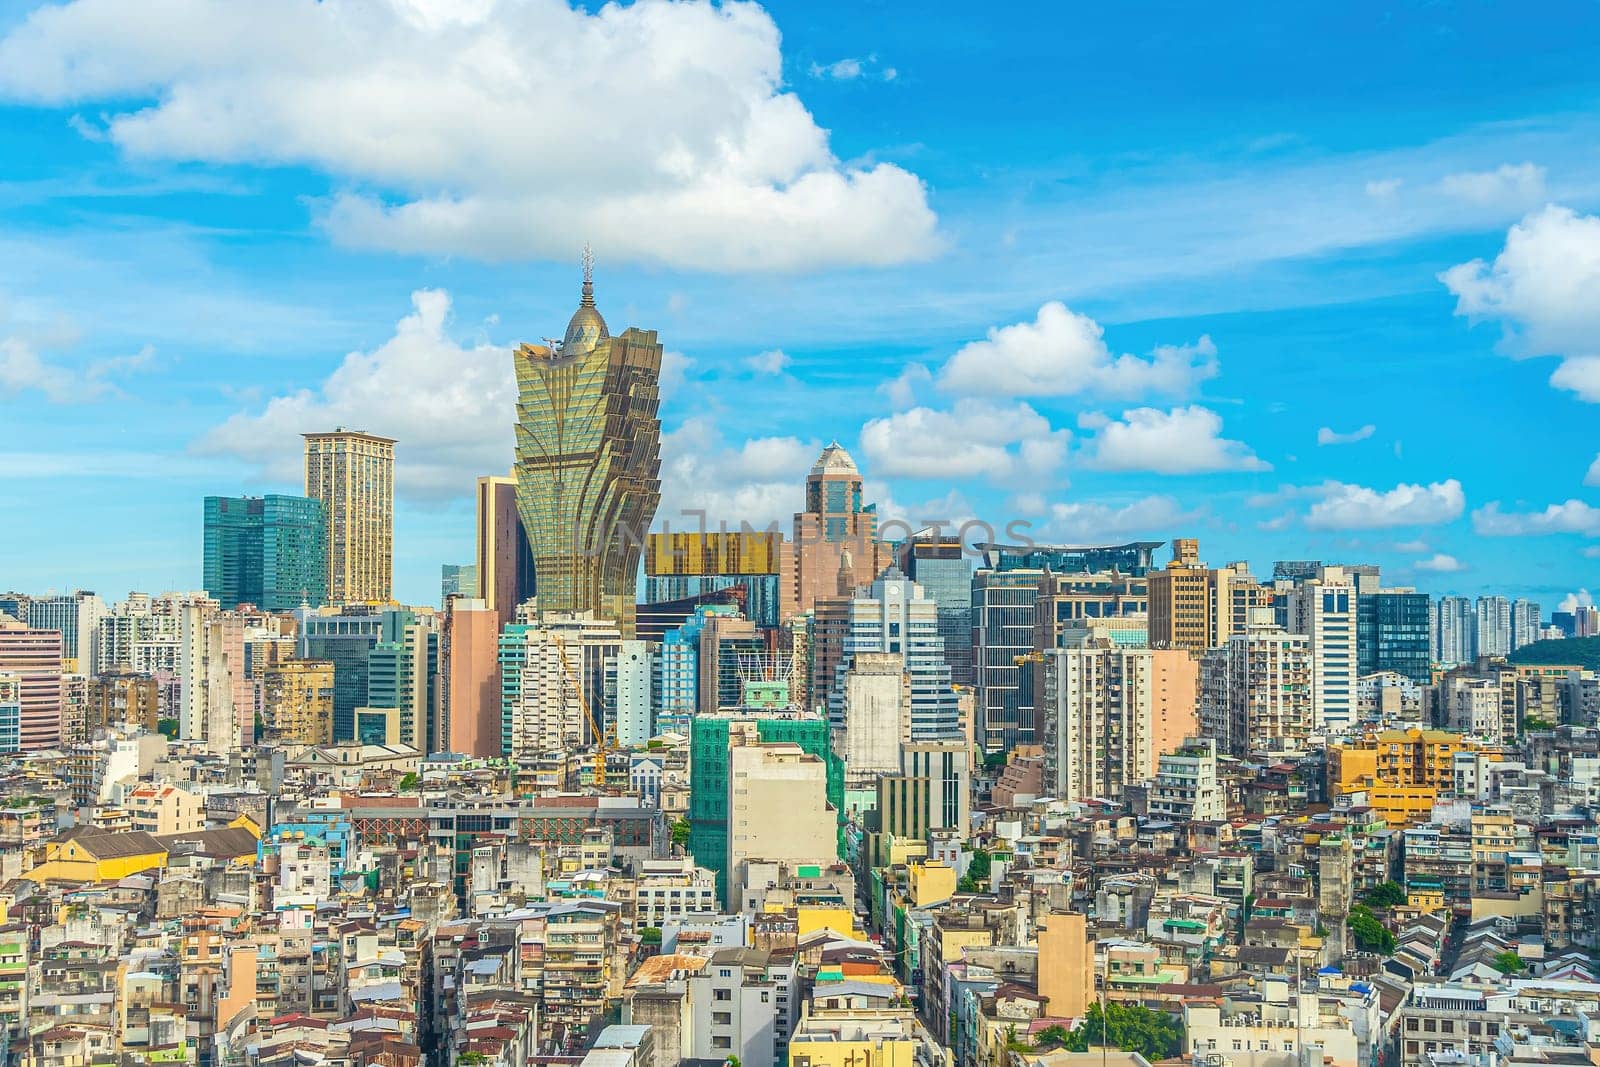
605	740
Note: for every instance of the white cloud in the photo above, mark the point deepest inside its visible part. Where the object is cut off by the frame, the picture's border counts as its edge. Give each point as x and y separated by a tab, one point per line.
759	481
1327	435
1591	552
1592	476
902	389
675	368
1413	547
497	129
1544	289
844	69
1061	353
1570	517
24	369
451	408
974	439
1094	522
1574	601
1384	188
1355	507
1440	563
1184	440
1518	185
772	361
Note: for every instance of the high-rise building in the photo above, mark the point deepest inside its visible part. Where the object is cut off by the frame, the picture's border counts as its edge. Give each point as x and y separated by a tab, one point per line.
676	689
505	559
876	720
711	740
1183	601
550	672
1256	692
122	696
218	696
1456	625
896	616
297	702
34	656
629	690
270	551
678	566
836	522
1392	634
352	474
1526	623
1493	618
941	566
403	673
778	809
1002	637
1109	713
76	616
10	711
457	579
1006	623
1324	609
589	461
345	639
469	705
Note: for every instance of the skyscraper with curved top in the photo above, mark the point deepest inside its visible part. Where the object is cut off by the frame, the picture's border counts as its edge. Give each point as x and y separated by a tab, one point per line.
588	461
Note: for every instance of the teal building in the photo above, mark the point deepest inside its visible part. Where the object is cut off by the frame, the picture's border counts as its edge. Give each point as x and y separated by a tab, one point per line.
270	551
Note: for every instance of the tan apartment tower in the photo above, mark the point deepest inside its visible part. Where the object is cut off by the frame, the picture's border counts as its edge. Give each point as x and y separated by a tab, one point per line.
352	473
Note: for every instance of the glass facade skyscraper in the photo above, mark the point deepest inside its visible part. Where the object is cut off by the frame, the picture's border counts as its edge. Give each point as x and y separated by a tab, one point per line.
270	551
588	462
346	641
941	567
1392	634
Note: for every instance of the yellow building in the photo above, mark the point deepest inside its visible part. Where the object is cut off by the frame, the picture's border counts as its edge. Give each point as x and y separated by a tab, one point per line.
749	552
90	854
930	883
165	809
1402	805
1397	759
1066	964
352	473
884	1037
297	701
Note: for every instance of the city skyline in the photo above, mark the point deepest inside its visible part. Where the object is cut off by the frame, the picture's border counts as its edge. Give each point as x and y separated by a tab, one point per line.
1327	247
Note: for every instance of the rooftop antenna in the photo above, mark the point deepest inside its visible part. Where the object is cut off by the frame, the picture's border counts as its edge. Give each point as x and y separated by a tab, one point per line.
588	275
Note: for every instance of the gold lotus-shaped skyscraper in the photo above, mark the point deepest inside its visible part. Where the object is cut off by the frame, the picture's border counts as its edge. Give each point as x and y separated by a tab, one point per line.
588	461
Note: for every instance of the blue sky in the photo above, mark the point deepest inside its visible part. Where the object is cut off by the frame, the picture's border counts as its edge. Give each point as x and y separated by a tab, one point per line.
1116	272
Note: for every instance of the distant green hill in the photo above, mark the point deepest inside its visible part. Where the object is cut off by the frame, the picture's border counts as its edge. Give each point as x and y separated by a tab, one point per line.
1579	651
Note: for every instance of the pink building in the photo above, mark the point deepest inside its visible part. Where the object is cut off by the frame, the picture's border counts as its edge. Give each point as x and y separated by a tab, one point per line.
471	691
34	656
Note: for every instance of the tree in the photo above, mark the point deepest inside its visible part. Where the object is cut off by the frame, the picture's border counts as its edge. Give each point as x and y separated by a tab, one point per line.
1386	895
472	1057
680	833
979	867
1532	724
167	728
408	782
994	761
1051	1037
1370	934
650	935
1155	1035
1508	963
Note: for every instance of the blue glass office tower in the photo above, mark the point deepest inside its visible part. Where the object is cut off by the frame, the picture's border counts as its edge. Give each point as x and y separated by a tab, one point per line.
941	567
1392	634
270	551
